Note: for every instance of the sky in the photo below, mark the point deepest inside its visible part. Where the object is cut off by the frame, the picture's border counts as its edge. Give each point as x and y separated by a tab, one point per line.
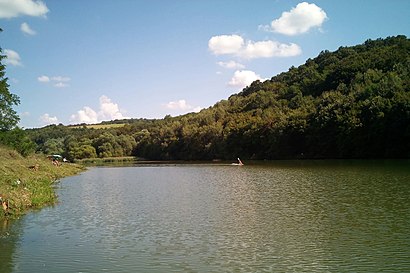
88	61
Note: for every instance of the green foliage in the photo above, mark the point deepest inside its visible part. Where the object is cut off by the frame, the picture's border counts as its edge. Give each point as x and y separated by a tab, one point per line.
54	146
18	140
351	103
8	117
82	151
10	134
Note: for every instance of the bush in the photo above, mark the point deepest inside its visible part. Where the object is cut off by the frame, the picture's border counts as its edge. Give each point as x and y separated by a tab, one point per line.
18	140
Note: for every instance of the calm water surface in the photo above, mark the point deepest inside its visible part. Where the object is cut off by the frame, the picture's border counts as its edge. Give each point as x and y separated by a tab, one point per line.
296	216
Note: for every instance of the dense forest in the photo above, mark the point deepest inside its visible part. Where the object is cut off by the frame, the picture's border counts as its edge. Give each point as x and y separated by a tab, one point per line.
350	103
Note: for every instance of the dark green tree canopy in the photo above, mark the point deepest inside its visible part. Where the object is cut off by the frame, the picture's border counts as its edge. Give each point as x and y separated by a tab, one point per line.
8	116
350	103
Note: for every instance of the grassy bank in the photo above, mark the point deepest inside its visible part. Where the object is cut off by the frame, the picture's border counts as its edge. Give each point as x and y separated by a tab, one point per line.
28	182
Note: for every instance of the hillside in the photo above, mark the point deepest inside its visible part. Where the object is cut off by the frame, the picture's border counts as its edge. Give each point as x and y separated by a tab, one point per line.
351	103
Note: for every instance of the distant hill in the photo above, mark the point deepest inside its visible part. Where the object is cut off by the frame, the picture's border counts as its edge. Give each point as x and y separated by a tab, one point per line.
351	103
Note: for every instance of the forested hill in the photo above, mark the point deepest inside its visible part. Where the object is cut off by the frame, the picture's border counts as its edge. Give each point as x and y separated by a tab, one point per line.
351	103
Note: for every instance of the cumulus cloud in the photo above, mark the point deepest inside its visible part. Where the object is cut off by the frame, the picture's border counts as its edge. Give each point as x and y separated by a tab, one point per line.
231	65
225	44
181	105
235	45
14	8
85	115
268	49
12	57
46	119
243	78
25	28
43	79
178	105
57	81
299	19
107	111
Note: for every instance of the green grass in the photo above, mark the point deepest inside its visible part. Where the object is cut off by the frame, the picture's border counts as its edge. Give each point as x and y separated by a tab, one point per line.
98	161
101	126
25	188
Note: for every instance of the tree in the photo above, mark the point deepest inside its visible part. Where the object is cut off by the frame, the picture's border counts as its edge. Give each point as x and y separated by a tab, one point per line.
8	117
54	146
18	140
80	149
351	103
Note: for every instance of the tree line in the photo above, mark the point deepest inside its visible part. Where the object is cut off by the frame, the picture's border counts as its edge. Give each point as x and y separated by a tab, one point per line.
350	103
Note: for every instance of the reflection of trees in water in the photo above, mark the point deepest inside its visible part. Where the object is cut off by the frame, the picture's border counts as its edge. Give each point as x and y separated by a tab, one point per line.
9	235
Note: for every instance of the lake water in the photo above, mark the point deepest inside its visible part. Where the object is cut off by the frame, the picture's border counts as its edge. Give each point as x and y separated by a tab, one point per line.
285	216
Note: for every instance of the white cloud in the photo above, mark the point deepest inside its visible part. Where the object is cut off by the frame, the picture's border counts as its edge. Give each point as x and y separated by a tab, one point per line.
231	65
268	49
299	19
86	115
225	44
178	105
107	111
25	28
181	105
46	119
43	79
197	109
244	78
58	81
235	45
15	8
61	85
12	57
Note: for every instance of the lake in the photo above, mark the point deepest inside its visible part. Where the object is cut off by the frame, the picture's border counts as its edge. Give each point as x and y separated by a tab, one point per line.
281	216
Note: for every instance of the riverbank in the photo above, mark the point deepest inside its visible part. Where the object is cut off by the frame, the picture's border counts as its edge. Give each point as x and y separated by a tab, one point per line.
28	182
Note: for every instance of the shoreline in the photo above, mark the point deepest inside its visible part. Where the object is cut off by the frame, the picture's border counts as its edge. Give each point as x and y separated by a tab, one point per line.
28	183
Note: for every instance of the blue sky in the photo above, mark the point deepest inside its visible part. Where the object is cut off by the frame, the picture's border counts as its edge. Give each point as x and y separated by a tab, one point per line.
93	60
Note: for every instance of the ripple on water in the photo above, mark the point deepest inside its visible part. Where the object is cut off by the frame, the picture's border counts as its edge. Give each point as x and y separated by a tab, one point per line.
263	218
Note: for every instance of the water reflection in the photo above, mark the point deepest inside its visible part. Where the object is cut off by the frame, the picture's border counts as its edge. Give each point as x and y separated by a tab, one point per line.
286	217
9	235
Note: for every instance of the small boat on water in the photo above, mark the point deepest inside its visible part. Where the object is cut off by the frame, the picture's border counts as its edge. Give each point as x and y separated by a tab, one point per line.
238	164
